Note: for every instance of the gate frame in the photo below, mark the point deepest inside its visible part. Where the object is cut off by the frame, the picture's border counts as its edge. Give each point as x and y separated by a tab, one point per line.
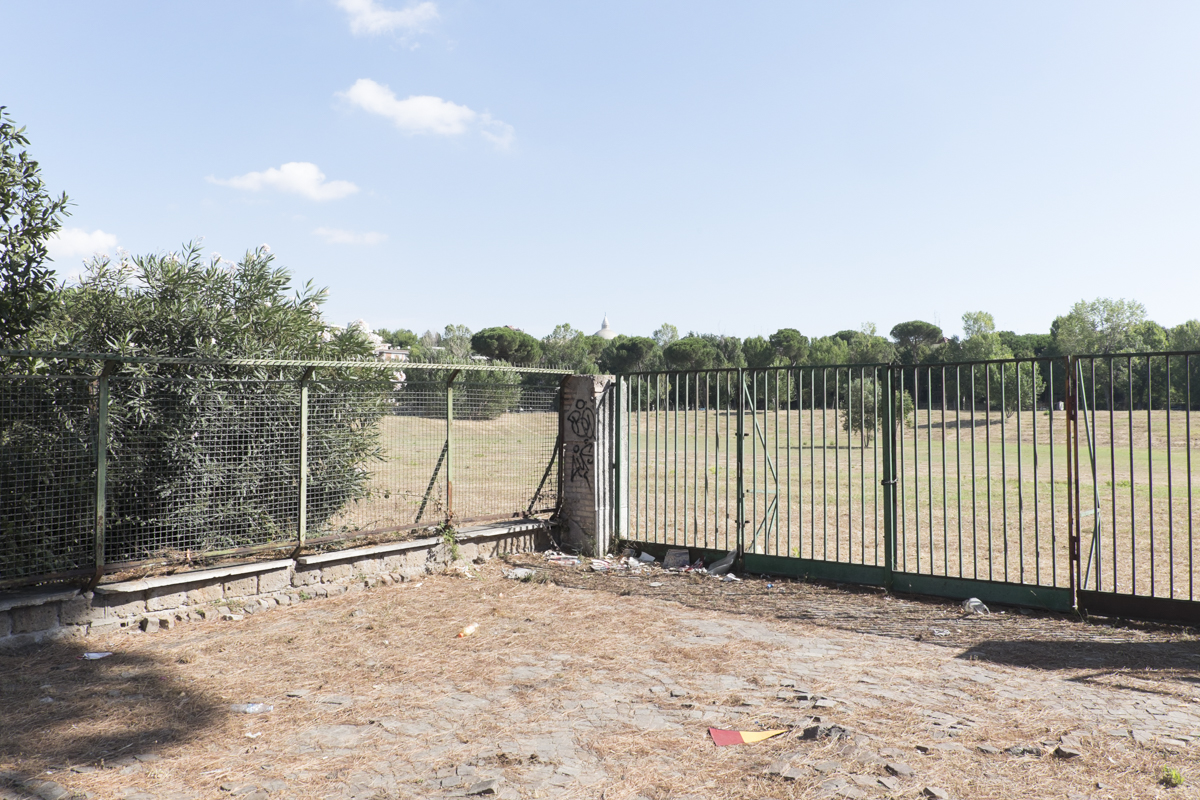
1071	598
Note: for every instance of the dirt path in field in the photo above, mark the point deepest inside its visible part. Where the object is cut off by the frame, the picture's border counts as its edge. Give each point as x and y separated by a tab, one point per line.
582	685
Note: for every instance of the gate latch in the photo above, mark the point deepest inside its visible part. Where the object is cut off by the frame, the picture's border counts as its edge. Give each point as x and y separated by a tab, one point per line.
892	482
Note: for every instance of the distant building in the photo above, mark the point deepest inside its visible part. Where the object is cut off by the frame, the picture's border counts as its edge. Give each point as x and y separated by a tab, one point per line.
388	353
605	331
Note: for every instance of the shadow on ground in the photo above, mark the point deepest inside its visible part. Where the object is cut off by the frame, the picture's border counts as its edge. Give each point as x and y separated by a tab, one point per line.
61	711
1127	665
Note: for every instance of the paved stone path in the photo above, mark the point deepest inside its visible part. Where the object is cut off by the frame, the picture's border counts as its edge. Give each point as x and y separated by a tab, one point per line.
569	693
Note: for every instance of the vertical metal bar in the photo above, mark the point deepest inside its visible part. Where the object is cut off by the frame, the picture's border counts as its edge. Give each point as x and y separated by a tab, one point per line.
974	498
302	526
1112	461
1170	483
741	485
945	508
958	462
717	466
1072	369
837	458
889	434
695	459
862	463
674	418
788	427
1095	434
755	519
898	440
659	463
824	464
1004	468
1020	485
875	477
687	386
1187	366
1053	475
776	472
812	463
450	447
987	458
640	485
102	393
728	408
1037	539
1132	482
618	465
708	413
929	456
916	455
1150	470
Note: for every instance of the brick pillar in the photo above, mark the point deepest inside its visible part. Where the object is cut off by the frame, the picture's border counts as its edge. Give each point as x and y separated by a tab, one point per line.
587	462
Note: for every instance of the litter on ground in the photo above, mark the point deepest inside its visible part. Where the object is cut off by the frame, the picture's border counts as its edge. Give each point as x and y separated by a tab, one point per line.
975	606
724	565
724	738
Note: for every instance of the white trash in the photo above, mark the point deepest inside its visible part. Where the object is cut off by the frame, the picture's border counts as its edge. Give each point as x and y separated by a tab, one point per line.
975	606
724	565
730	578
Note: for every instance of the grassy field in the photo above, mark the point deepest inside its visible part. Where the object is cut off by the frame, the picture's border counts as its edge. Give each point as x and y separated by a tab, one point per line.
982	496
497	466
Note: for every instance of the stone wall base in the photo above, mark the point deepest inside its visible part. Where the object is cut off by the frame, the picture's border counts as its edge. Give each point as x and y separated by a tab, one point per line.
159	603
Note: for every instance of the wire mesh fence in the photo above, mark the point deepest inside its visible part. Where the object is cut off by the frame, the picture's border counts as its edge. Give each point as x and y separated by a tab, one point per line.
206	459
47	475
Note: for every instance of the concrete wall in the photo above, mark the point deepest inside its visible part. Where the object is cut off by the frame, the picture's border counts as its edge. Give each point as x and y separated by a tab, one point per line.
159	603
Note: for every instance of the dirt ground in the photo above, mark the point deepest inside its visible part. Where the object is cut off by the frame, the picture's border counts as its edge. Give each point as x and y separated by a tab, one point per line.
588	685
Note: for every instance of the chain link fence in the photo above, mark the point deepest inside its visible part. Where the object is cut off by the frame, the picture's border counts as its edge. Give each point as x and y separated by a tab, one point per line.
205	459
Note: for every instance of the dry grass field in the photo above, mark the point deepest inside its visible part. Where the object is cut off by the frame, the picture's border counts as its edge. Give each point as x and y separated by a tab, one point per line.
981	495
497	466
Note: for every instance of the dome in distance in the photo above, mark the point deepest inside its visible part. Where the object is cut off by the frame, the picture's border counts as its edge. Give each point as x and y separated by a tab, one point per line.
605	332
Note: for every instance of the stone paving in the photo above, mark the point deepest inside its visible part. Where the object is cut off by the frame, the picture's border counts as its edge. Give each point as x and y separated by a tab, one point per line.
569	693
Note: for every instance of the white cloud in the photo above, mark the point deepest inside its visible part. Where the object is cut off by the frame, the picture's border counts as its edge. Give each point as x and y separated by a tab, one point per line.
338	236
78	243
369	17
426	114
296	177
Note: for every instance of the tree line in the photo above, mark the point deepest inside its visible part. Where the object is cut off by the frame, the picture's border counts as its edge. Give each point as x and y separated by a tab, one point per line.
1103	326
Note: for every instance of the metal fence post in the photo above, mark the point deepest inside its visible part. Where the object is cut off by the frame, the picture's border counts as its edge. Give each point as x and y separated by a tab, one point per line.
741	483
617	466
450	446
302	528
1072	392
889	476
102	462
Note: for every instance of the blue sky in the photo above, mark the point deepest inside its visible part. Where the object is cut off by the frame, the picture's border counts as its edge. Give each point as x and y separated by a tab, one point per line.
729	168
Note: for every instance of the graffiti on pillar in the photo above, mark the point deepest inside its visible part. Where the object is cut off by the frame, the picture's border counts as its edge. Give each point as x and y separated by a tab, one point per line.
582	458
582	420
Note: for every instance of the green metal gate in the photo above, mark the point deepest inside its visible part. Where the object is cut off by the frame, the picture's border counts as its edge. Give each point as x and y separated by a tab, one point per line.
961	479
